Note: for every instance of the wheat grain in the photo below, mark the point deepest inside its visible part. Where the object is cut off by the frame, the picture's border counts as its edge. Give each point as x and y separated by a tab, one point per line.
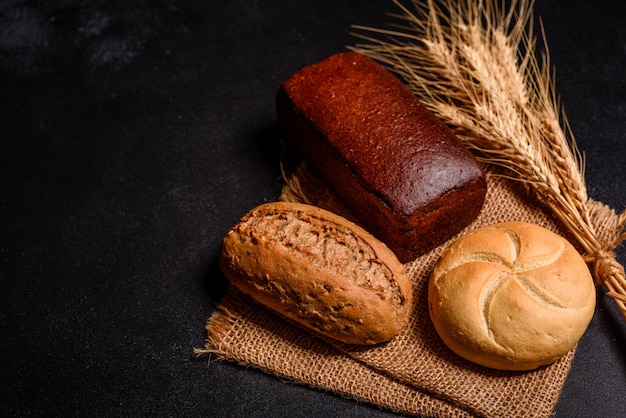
475	65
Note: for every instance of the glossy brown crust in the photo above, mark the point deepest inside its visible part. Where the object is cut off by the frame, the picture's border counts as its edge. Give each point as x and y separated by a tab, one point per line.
400	170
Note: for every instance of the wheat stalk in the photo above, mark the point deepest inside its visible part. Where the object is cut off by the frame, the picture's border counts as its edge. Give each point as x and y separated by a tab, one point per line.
475	65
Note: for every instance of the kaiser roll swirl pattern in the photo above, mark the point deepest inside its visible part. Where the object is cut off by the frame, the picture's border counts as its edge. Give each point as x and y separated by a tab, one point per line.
511	296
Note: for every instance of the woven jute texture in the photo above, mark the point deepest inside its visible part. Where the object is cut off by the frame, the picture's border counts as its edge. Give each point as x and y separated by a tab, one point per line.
414	373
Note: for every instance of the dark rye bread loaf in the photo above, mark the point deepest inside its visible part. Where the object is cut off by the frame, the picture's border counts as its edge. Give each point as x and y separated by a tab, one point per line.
401	172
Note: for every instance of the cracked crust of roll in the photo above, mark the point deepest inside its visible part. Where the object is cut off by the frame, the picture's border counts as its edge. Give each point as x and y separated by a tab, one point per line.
511	296
320	270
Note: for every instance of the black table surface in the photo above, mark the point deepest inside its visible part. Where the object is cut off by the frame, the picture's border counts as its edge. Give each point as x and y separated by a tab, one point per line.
134	134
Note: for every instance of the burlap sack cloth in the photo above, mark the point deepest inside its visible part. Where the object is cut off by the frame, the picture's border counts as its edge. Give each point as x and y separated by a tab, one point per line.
414	373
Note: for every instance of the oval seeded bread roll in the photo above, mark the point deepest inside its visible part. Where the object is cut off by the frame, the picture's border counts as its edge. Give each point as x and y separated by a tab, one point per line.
511	296
319	269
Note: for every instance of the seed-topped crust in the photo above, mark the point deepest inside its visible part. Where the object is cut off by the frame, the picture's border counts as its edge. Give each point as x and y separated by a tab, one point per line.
320	270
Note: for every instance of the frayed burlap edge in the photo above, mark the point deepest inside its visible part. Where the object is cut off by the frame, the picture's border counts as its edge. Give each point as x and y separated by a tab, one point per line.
298	349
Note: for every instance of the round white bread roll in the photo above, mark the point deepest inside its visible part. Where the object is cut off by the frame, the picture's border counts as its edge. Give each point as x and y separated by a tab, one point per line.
511	296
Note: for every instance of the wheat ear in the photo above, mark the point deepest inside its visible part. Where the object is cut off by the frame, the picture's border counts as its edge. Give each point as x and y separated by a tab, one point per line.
475	65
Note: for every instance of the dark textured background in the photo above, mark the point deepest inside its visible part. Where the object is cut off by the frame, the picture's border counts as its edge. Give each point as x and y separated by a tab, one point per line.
134	134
